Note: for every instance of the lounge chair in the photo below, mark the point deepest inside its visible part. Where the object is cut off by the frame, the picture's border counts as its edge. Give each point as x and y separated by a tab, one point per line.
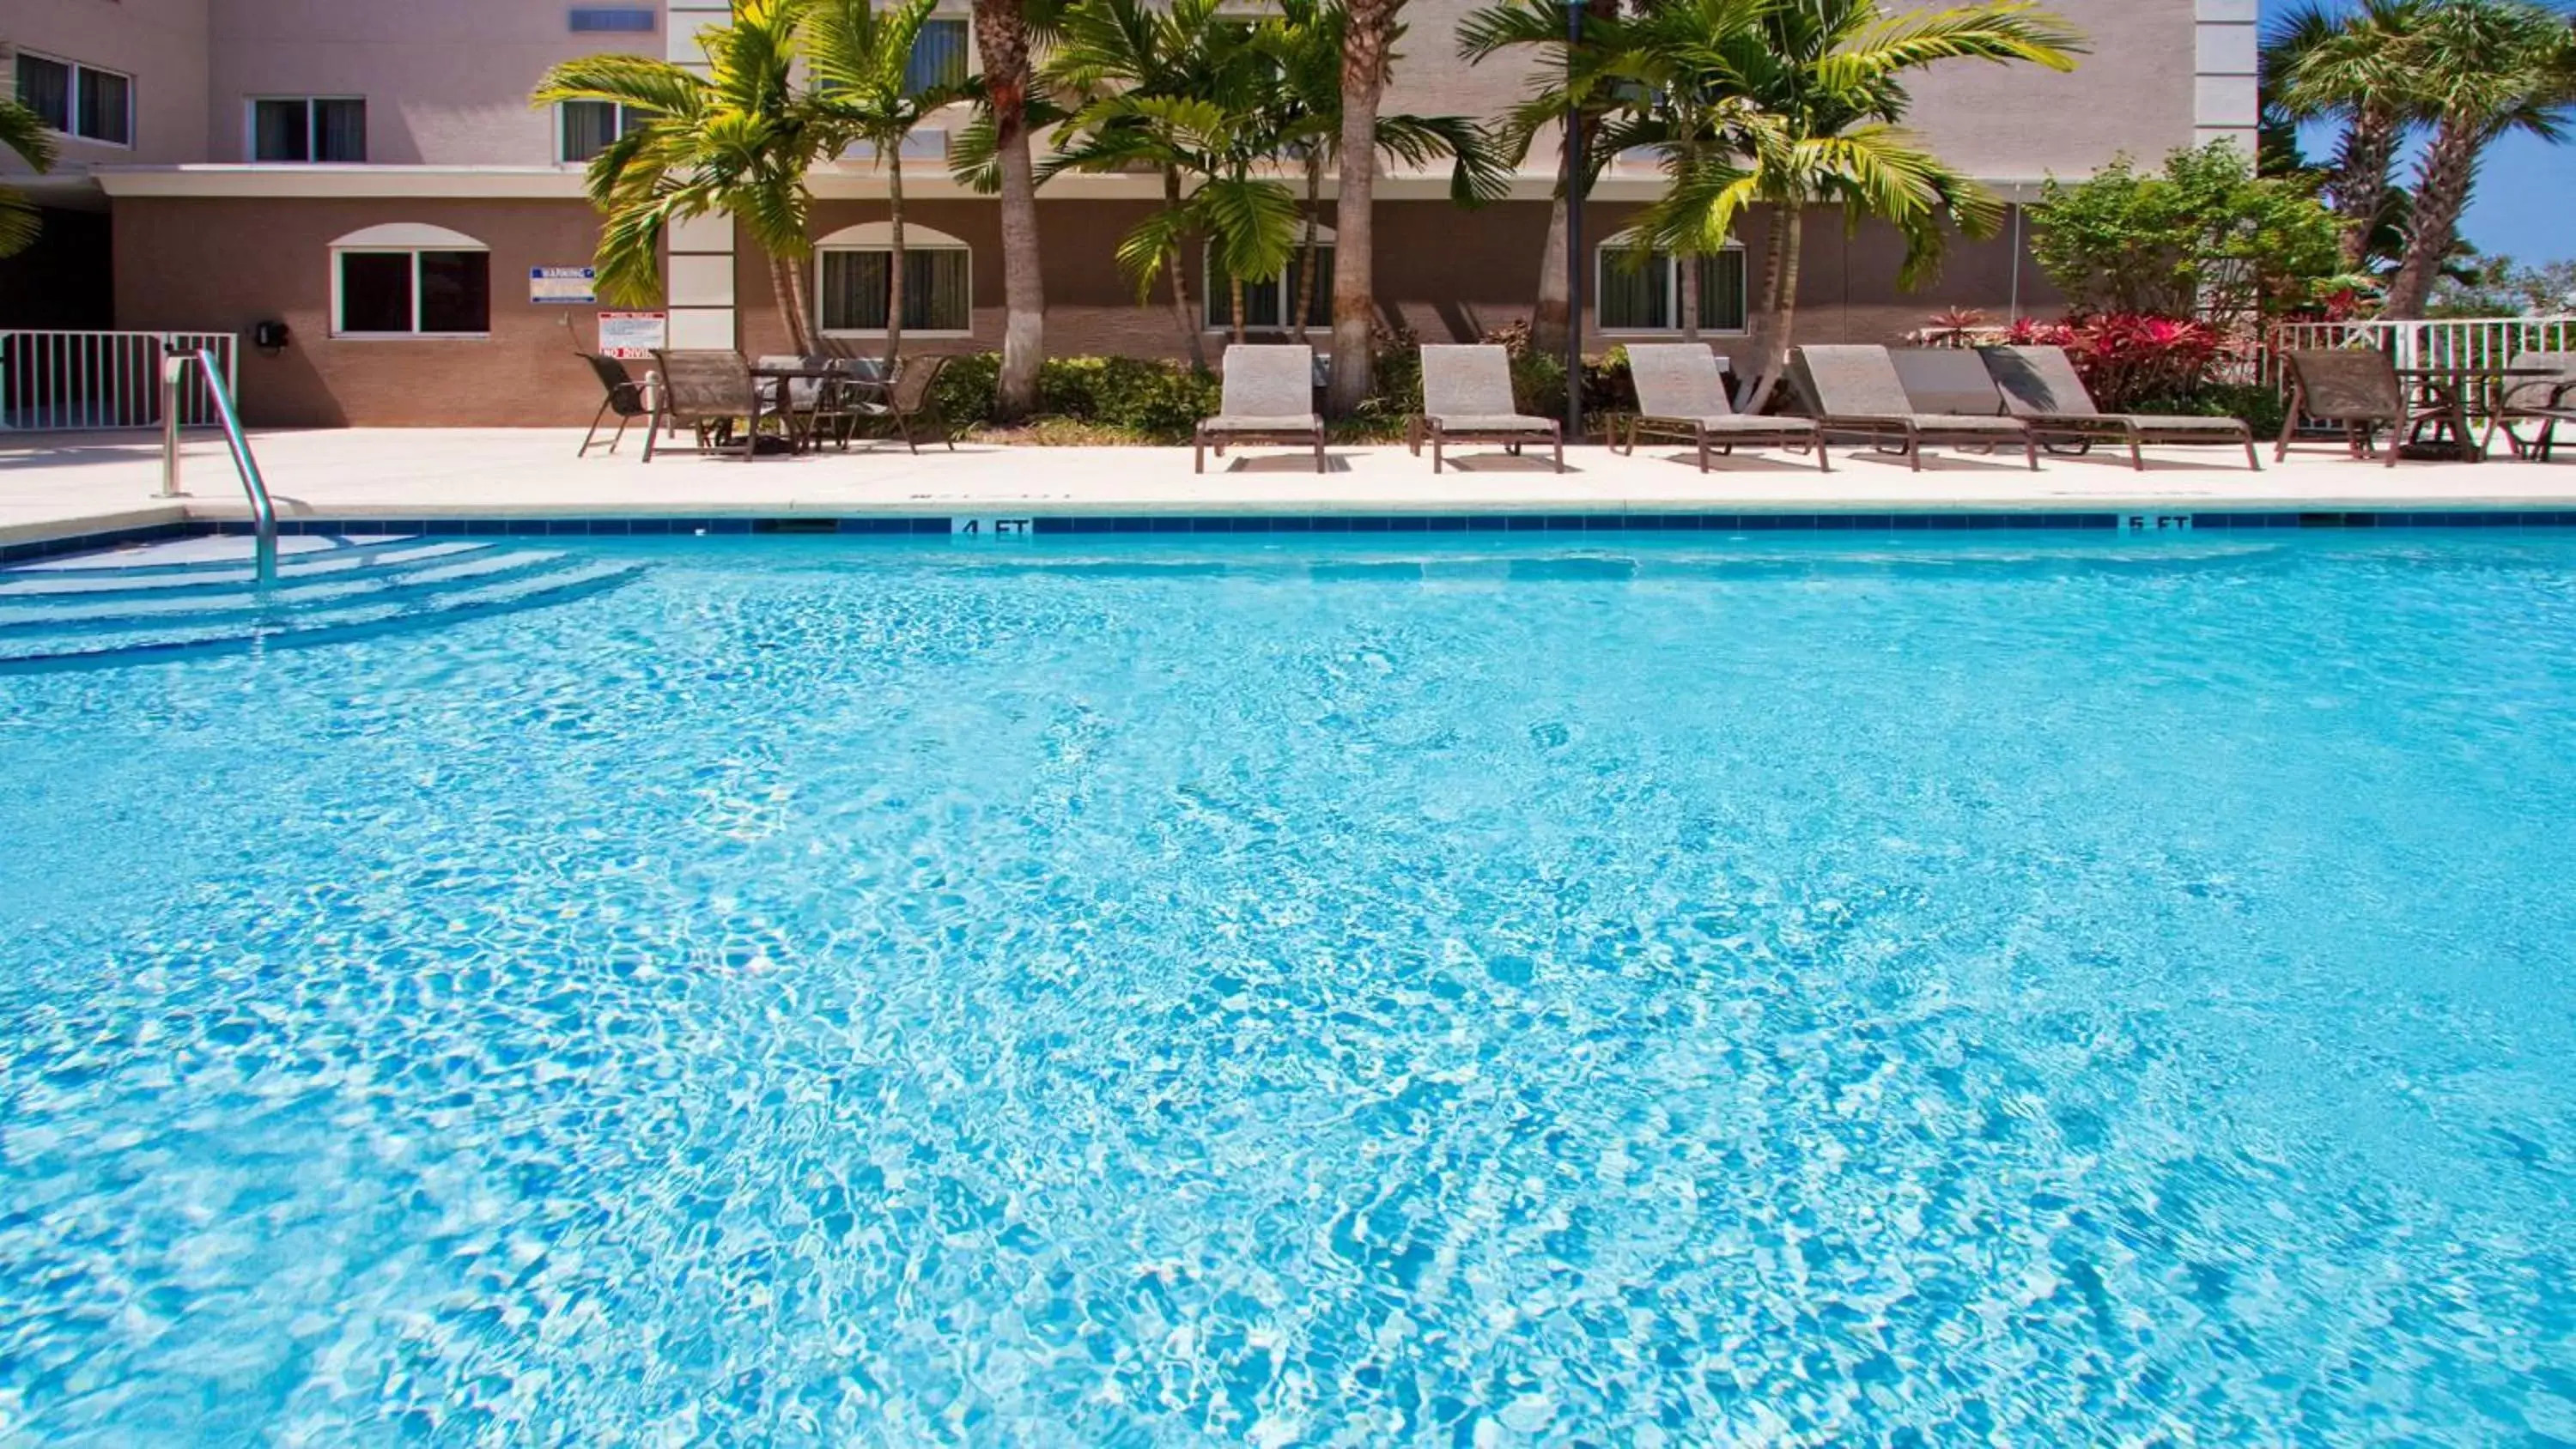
1856	392
1681	395
2041	387
1268	397
2356	387
909	403
2547	401
707	390
1467	398
621	394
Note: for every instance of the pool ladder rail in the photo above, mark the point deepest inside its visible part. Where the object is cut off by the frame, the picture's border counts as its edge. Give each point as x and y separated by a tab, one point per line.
263	513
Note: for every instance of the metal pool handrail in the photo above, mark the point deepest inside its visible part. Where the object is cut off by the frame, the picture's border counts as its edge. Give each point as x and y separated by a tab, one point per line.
263	513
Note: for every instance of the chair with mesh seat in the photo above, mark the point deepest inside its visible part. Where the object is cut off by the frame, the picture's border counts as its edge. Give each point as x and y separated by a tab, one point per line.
2042	388
2547	401
1856	391
1467	398
2354	388
1267	396
621	393
1681	395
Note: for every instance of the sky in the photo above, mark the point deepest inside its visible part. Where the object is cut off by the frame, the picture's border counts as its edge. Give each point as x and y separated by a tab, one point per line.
2522	207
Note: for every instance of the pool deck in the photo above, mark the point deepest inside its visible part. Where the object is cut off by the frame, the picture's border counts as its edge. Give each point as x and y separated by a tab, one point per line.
58	486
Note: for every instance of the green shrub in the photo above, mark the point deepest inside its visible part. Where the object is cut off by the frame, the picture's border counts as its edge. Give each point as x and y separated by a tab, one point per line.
2260	406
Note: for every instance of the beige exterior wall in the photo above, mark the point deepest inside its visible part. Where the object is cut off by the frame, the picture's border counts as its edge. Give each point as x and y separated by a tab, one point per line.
160	43
446	81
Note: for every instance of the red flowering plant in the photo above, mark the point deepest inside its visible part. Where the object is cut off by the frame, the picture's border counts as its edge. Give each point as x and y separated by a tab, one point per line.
2128	357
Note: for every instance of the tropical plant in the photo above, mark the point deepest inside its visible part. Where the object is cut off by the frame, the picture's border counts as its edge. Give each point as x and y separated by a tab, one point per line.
1126	65
737	141
2481	68
2499	286
1812	96
22	131
1305	40
1559	79
2348	67
1004	115
2204	234
861	58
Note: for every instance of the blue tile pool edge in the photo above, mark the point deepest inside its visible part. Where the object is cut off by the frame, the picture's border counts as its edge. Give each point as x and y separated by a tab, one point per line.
941	525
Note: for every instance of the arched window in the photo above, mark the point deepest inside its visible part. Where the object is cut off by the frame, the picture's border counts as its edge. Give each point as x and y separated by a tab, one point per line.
854	273
409	279
1270	304
1645	294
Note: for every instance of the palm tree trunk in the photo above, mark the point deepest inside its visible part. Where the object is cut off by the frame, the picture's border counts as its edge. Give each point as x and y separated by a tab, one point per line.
783	286
1364	45
2359	187
893	155
2442	182
1173	263
1305	303
1236	302
1001	34
1552	315
1688	265
804	335
1779	303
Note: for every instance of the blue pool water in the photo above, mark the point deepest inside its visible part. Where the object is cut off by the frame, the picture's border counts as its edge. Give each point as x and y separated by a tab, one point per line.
1155	992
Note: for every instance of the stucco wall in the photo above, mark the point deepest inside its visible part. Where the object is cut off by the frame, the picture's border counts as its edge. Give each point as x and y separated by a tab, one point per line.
160	43
446	81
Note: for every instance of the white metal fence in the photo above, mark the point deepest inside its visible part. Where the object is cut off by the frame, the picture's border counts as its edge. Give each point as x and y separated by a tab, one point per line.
52	380
2450	342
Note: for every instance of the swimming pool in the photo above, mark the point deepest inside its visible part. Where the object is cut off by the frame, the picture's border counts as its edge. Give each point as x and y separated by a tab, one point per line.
1106	991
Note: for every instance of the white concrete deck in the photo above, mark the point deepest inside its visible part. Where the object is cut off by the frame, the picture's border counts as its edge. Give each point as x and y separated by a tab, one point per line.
60	485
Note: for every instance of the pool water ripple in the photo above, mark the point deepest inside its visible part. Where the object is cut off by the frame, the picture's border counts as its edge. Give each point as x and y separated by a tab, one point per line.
1315	994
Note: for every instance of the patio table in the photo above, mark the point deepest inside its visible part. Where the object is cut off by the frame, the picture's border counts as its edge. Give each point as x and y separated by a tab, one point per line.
2441	398
777	384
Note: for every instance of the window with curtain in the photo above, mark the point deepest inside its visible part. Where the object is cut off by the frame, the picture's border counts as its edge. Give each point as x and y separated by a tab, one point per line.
309	129
938	56
414	293
587	127
1270	305
856	289
77	100
1636	295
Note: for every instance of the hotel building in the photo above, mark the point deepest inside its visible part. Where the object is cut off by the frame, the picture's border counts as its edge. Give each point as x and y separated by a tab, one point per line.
369	174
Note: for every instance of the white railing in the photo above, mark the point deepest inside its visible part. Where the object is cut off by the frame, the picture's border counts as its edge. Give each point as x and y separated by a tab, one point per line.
2448	342
52	381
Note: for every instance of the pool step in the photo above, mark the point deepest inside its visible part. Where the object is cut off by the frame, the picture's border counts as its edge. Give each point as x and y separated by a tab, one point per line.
100	612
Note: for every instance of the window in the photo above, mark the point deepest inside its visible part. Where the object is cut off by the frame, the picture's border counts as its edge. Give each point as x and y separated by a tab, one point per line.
938	292
1646	296
78	100
406	280
1271	306
612	20
586	128
938	57
318	128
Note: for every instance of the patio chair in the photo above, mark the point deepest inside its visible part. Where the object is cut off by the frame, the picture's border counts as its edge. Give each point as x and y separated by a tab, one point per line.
2041	387
1856	391
1268	397
2543	400
816	404
621	394
1467	398
1681	395
2355	387
708	391
909	402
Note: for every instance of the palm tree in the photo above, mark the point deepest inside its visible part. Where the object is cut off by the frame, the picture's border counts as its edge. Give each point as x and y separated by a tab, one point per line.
1002	37
1539	26
2349	68
1368	38
1812	95
22	131
737	141
861	60
2482	68
1304	40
